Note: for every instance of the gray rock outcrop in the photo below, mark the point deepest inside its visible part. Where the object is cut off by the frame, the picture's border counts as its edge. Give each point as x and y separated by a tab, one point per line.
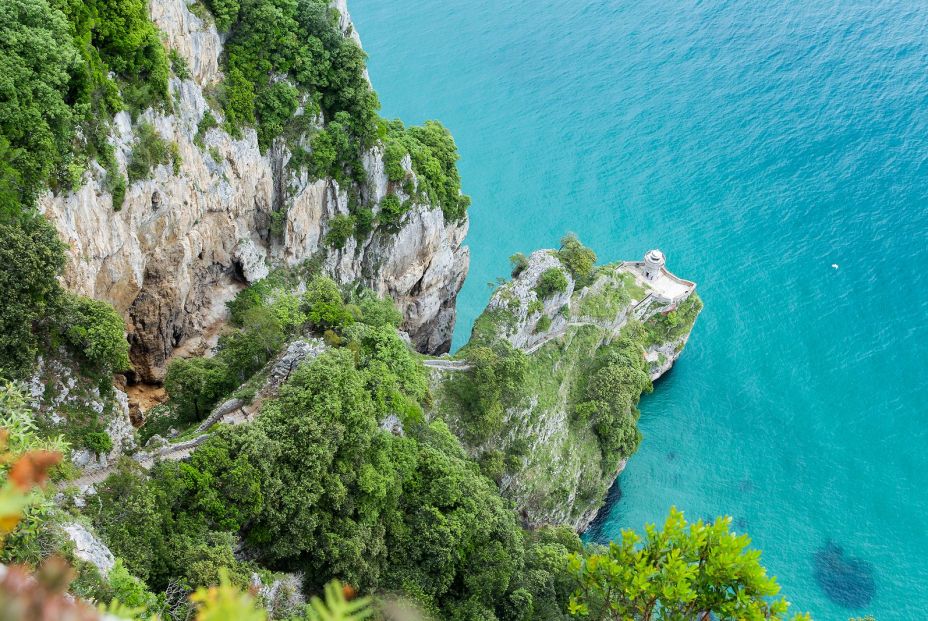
521	302
88	548
57	388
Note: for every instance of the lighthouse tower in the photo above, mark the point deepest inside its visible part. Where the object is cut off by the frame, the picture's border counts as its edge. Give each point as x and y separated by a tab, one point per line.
654	262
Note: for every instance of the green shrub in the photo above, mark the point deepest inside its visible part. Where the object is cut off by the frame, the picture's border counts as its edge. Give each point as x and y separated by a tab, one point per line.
287	309
238	98
179	65
552	281
95	331
716	572
119	193
324	305
543	325
130	591
245	351
199	9
519	263
148	151
195	385
225	12
302	41
175	158
493	465
391	209
673	325
207	123
98	442
89	583
377	311
535	306
394	152
577	258
127	517
274	106
363	222
340	229
334	152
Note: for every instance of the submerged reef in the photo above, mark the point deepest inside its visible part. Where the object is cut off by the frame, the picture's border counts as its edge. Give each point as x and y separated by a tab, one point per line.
846	580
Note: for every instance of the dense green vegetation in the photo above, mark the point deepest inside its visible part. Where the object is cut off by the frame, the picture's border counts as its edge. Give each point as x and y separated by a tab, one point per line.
56	93
434	159
264	316
298	39
32	256
315	485
613	384
675	324
495	383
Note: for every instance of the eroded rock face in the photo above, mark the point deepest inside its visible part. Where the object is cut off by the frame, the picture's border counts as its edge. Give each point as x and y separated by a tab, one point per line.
518	298
185	242
57	389
88	548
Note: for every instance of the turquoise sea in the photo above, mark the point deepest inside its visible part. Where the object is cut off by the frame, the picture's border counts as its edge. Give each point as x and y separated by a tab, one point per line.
757	144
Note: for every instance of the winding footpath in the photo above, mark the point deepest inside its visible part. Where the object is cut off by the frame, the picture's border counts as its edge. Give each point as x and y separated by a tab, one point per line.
235	411
446	364
171	452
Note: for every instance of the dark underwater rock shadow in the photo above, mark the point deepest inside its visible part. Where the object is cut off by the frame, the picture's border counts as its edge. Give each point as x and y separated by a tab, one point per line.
846	580
594	531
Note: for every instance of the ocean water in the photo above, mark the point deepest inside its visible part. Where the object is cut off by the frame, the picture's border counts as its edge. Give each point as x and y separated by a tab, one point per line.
757	144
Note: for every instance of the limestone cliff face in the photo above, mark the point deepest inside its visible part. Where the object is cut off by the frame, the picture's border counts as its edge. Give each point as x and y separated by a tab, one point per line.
185	242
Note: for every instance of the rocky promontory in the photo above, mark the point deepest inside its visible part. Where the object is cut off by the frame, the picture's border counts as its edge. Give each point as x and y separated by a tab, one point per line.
569	354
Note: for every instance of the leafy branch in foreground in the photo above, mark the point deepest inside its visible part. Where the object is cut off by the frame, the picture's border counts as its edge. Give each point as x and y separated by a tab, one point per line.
685	571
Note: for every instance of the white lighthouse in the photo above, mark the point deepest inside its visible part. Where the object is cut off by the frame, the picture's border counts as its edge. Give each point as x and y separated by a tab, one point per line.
654	262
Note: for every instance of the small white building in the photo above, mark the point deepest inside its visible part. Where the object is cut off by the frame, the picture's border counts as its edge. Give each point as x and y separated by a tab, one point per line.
654	263
664	287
